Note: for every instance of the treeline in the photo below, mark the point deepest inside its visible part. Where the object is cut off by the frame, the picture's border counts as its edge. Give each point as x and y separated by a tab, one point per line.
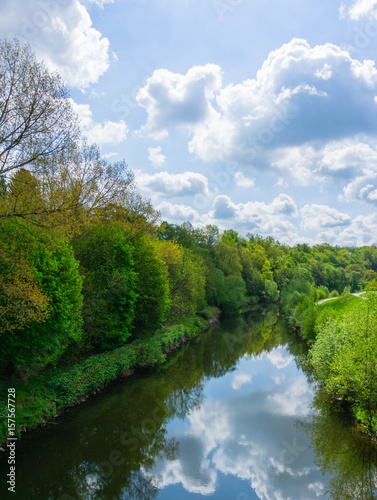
108	284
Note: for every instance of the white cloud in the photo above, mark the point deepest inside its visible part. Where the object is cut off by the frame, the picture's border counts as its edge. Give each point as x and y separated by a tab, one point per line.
361	8
302	95
322	217
107	133
318	488
279	358
340	161
61	33
156	157
362	231
252	438
295	400
178	100
362	188
243	181
253	211
172	185
348	157
178	213
240	379
264	218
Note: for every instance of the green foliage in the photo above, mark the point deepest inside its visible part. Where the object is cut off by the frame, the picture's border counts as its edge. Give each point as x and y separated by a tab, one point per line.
42	397
54	271
152	289
187	281
271	291
251	276
109	285
227	259
344	357
321	293
84	377
292	294
230	292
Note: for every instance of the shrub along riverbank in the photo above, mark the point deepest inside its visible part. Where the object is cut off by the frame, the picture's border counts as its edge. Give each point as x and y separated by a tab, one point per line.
342	337
44	396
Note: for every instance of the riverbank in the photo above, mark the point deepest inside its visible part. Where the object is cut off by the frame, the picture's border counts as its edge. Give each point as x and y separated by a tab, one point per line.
43	397
341	335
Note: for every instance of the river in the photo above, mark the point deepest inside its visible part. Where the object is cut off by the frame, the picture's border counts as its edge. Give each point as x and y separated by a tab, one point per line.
230	415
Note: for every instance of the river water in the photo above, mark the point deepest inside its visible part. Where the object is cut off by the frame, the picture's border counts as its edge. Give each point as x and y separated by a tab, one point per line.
230	415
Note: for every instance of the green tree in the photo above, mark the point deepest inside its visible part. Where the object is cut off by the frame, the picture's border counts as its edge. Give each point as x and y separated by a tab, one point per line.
109	285
37	124
230	292
227	259
187	281
50	292
152	289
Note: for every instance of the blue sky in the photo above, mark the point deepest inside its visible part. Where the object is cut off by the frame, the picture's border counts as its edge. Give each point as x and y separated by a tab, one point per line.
256	115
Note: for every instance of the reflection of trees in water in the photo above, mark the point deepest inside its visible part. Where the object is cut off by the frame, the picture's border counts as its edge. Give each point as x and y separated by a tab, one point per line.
140	409
142	487
345	453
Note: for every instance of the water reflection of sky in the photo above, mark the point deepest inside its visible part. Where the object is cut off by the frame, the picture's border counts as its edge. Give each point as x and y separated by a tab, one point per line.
242	443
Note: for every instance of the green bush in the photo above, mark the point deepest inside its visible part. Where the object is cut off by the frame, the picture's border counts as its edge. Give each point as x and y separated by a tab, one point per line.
70	384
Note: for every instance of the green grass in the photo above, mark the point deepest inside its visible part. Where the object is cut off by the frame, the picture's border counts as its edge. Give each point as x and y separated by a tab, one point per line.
344	304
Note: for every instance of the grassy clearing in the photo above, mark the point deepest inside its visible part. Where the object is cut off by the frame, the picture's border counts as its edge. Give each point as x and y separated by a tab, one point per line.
342	305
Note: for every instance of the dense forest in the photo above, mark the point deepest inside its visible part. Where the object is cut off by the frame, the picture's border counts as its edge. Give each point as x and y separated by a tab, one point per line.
91	280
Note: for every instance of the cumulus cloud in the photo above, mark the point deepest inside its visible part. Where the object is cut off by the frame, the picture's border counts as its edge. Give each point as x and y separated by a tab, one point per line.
362	188
264	218
283	220
341	161
107	133
322	217
240	379
173	185
172	99
243	181
279	358
178	213
156	157
361	8
361	231
61	33
347	158
301	95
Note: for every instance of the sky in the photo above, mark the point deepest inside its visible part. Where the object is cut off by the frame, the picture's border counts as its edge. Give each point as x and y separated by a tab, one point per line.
254	115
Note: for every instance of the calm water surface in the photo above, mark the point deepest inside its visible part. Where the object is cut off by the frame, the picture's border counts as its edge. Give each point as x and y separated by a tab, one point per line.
231	415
